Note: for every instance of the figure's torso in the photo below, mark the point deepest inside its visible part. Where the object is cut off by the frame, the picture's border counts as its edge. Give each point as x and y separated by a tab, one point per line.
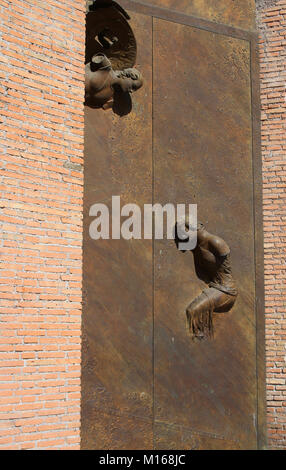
215	270
98	86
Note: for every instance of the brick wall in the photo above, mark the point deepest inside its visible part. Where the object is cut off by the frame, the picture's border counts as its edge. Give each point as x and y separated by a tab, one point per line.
272	25
41	139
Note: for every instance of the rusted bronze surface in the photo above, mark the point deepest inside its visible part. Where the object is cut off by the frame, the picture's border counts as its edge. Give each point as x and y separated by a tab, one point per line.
171	437
108	32
259	250
238	13
117	324
189	139
209	387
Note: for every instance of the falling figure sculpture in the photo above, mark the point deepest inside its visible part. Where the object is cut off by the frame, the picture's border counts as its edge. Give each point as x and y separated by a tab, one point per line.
103	85
212	264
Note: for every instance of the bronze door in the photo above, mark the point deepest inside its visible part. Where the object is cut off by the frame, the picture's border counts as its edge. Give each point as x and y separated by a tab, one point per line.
191	138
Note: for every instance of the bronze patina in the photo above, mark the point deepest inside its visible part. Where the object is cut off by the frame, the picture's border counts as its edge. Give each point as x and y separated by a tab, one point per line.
192	138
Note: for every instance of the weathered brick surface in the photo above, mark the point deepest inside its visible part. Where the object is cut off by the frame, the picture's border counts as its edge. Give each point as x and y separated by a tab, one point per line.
41	181
272	25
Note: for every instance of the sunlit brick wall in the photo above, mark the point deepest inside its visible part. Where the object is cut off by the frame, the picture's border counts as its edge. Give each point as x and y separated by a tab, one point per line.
41	178
272	26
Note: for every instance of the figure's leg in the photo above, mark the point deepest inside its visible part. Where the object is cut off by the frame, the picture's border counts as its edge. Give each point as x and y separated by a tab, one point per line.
199	316
223	302
200	311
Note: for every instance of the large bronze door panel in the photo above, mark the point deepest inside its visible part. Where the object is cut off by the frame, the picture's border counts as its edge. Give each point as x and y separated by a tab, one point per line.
202	95
191	138
117	382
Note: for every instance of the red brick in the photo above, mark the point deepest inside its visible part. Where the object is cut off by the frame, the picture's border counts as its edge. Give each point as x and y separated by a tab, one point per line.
42	127
272	57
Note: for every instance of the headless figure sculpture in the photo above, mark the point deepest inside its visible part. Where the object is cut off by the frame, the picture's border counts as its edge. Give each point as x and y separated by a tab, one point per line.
102	82
212	264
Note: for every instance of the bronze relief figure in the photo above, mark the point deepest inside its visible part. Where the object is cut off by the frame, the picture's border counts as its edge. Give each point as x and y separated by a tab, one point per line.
212	265
110	57
102	83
